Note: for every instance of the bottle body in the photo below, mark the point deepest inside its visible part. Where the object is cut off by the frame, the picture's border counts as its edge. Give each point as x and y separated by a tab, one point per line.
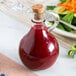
39	49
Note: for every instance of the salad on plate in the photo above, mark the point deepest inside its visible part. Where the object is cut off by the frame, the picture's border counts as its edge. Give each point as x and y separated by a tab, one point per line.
66	10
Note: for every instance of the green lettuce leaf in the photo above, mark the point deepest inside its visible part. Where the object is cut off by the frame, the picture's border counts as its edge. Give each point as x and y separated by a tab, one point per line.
62	1
50	7
68	18
74	21
60	26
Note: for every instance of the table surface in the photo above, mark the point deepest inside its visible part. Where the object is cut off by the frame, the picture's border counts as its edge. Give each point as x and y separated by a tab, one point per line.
11	32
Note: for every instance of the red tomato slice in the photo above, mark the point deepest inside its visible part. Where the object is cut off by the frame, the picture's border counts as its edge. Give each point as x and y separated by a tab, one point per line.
59	4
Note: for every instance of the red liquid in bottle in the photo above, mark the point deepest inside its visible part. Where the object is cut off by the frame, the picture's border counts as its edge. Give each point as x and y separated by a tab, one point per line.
38	49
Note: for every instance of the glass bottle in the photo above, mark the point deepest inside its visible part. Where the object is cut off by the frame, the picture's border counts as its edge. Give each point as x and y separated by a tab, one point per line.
38	49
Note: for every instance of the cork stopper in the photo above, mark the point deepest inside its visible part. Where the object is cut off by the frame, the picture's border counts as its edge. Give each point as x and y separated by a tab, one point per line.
38	10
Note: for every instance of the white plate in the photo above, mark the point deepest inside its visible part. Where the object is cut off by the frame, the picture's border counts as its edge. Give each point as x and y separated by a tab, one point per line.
64	33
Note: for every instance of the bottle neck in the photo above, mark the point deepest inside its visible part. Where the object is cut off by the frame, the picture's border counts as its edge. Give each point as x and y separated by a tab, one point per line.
38	18
38	24
38	14
38	21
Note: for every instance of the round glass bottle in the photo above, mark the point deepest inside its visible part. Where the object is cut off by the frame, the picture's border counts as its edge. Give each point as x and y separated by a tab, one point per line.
38	49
